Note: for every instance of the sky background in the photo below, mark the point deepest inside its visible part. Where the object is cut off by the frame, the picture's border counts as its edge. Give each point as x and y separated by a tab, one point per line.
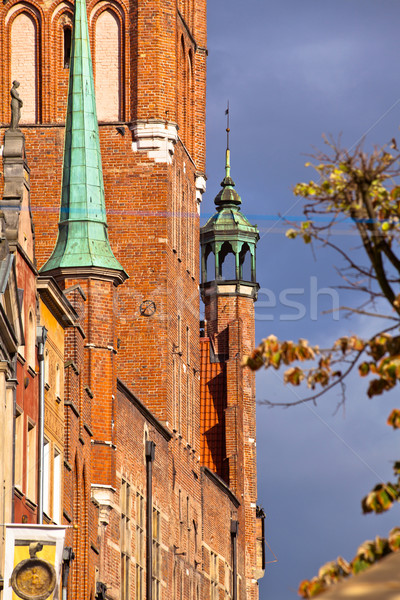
293	71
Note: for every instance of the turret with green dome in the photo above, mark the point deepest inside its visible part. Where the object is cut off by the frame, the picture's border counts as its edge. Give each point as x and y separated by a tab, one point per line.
228	245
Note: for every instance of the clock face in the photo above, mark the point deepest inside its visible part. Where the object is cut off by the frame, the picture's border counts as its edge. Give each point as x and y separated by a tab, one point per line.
33	579
148	308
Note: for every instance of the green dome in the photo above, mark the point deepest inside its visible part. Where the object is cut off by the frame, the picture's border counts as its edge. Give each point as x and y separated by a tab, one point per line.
229	218
228	195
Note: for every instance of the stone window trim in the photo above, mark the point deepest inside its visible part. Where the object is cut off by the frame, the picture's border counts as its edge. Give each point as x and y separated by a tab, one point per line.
125	536
140	546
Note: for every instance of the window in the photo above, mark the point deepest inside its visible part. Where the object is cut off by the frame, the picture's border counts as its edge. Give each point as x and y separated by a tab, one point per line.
30	341
187	223
46	367
174	391
179	214
125	534
174	202
209	265
156	555
189	96
24	48
140	541
245	264
195	538
182	81
67	35
228	581
213	576
194	243
179	333
179	424
19	445
46	477
58	382
192	410
175	581
188	407
56	486
31	463
227	262
107	66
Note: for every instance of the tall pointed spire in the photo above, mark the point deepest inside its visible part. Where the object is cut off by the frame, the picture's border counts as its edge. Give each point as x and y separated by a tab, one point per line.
82	237
228	196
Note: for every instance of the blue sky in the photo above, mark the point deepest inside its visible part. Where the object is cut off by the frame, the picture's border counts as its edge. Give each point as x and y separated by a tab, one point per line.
293	71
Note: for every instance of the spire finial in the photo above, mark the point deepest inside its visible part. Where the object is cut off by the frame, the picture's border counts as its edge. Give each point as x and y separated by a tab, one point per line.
82	230
228	196
228	157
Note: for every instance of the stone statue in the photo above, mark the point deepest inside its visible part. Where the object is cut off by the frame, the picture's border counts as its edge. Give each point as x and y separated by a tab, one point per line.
16	104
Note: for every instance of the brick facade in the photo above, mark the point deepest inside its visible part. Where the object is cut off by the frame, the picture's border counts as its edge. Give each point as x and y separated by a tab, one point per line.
133	366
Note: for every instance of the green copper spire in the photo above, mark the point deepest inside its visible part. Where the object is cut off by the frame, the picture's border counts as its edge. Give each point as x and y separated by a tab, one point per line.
82	230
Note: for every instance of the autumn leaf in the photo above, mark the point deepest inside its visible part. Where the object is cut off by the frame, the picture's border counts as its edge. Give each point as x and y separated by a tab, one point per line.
294	375
394	539
394	418
380	499
363	369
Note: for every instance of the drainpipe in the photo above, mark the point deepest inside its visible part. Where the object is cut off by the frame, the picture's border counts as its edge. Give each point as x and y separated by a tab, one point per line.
68	556
14	389
234	534
150	455
41	334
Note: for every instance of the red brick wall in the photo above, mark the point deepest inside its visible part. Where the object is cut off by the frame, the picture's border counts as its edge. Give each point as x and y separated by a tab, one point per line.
230	325
154	232
79	512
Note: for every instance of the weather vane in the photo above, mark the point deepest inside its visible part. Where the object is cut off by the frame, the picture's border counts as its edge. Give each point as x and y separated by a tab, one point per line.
227	126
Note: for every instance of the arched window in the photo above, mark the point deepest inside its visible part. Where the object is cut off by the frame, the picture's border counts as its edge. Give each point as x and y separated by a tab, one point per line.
77	532
182	92
189	100
67	38
30	341
108	66
24	64
245	263
84	526
46	367
210	264
58	382
227	263
57	490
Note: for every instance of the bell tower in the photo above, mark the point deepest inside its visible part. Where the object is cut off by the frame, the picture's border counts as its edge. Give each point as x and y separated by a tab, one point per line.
228	254
228	422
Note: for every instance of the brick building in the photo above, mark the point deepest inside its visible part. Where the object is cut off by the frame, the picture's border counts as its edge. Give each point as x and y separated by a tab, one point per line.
158	418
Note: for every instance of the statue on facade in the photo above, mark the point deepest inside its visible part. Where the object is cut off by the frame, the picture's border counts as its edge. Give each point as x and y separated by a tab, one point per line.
16	104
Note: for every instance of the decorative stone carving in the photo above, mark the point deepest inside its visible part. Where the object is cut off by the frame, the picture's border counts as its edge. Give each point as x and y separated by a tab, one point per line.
104	496
34	578
156	138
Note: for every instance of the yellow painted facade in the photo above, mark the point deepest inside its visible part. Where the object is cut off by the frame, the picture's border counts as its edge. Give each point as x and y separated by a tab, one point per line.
54	415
